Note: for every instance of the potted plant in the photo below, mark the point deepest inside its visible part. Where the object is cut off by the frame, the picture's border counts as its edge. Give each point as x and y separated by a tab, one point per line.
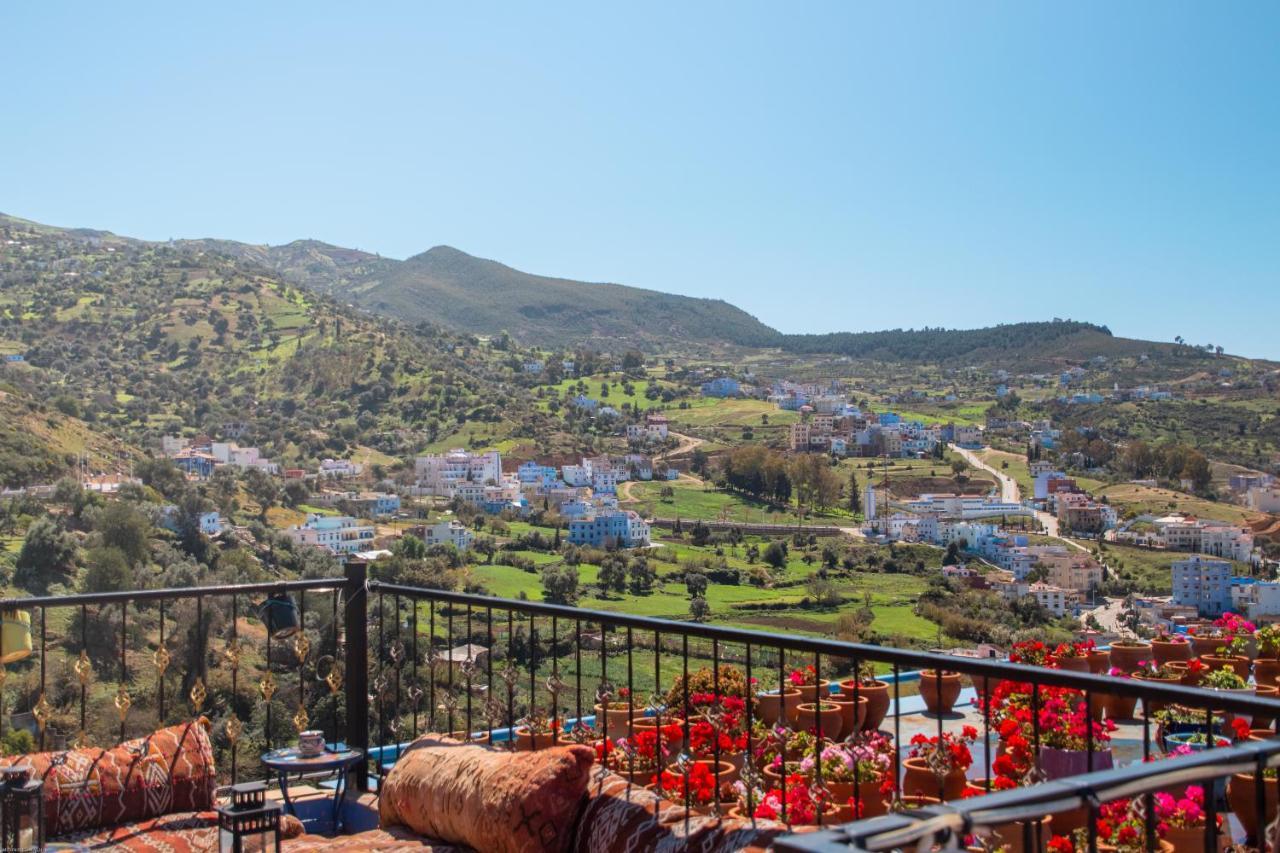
696	786
1120	828
939	689
1229	655
1150	670
866	684
613	716
854	772
1120	707
800	804
778	705
1205	640
938	763
1127	654
810	685
1182	818
1067	731
1266	667
641	756
537	731
1166	647
722	740
1073	656
1242	792
1233	626
1099	660
824	717
1030	652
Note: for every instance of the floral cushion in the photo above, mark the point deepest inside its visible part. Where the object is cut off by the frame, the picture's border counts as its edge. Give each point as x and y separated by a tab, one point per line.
494	801
622	817
169	770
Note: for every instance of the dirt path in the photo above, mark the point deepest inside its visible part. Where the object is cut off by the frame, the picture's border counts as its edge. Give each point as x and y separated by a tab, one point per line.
1010	493
686	445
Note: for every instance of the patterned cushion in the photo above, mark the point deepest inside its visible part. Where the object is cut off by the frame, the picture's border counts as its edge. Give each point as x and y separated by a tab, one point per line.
170	770
622	817
393	839
494	801
183	832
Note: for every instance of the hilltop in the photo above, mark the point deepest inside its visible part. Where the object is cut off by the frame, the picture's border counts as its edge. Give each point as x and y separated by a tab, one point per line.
122	341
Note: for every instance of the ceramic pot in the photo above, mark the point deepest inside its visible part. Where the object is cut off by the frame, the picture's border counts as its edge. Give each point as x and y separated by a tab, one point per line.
777	706
939	691
1242	794
919	778
1260	721
1073	664
811	692
615	722
639	724
1190	839
828	719
1202	646
1127	654
1162	846
1150	706
15	636
877	694
527	741
1164	651
852	714
1121	707
1061	763
1237	663
1099	661
1266	670
478	737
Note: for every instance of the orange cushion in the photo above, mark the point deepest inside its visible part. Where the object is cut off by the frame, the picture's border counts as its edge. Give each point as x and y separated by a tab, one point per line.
169	770
491	800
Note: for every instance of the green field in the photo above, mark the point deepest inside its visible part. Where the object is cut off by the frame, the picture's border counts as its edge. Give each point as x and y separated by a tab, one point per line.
1147	570
693	502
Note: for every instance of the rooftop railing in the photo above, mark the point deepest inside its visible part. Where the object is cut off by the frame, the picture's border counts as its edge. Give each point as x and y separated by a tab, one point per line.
375	664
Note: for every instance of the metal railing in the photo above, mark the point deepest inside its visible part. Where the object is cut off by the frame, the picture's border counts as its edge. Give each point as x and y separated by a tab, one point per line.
377	664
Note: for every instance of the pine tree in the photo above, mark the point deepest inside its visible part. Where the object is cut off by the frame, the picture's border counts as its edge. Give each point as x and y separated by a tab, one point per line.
855	498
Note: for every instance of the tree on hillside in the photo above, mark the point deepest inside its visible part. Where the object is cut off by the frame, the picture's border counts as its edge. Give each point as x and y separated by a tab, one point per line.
642	575
855	498
699	609
613	574
122	526
560	584
47	557
108	570
775	554
696	583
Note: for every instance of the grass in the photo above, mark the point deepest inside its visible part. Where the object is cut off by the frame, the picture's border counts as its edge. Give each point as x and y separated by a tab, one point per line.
694	502
1147	571
1134	499
1012	464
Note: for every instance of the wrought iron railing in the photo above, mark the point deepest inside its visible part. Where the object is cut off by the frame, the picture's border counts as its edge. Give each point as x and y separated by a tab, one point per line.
376	664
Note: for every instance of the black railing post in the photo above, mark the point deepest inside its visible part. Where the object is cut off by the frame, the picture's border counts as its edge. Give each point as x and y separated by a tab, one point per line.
356	663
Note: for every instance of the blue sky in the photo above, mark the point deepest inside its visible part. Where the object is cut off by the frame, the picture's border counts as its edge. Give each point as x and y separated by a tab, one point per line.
842	166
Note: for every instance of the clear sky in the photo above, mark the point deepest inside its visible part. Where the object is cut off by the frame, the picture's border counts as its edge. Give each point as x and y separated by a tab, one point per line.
841	166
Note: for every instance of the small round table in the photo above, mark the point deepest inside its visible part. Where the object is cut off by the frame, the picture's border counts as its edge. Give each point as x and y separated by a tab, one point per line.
289	760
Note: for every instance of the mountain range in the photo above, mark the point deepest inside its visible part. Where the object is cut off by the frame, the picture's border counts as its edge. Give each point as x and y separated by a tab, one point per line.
448	288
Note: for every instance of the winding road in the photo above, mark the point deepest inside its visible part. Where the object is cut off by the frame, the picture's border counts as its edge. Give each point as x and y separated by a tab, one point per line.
1010	493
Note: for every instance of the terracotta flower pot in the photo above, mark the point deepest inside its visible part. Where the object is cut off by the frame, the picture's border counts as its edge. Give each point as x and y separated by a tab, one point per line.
726	774
639	724
1202	646
1266	670
616	721
852	714
1122	707
1190	839
1011	837
527	740
1073	664
919	778
1100	706
1127	654
939	692
1242	797
1164	651
478	737
1099	660
1261	721
774	706
871	800
877	695
811	692
1262	734
1238	663
828	719
1150	706
1162	846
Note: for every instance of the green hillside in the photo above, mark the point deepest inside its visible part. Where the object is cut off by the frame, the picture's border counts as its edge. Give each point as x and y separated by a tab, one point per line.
131	340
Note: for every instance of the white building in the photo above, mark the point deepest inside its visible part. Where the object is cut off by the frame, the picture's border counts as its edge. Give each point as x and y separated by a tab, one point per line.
1263	499
440	474
451	532
338	534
